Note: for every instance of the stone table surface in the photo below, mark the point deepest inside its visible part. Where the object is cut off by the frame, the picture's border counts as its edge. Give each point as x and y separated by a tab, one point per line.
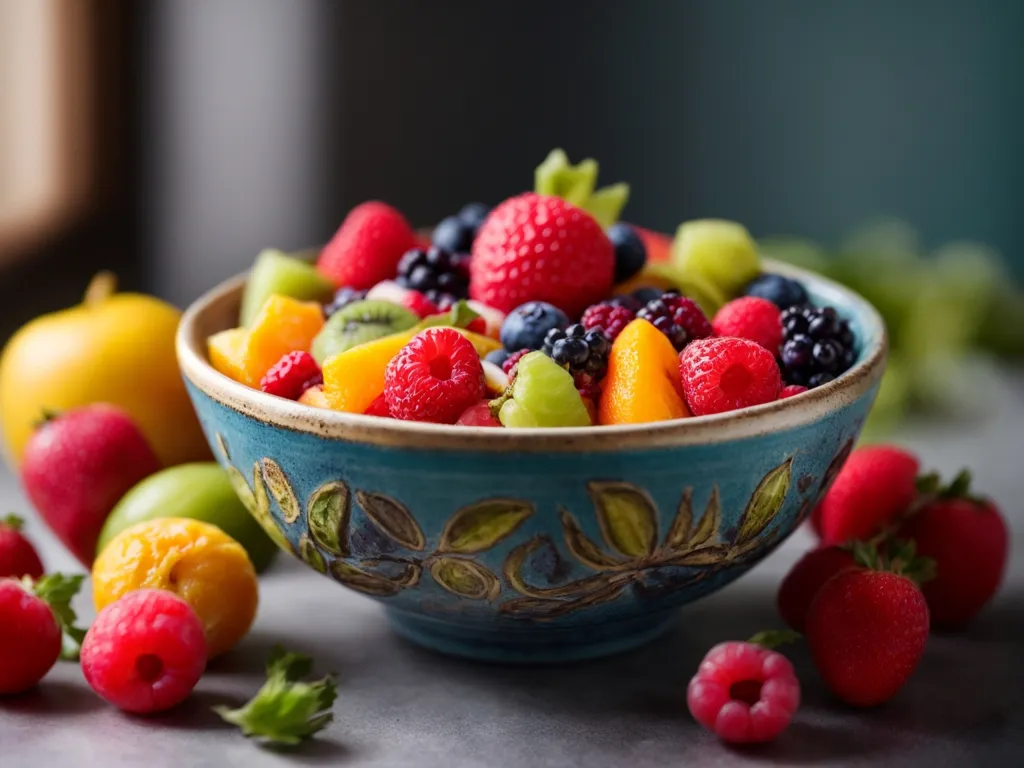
403	706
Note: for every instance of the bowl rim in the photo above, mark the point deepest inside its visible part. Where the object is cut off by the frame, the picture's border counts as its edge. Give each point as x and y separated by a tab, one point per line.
779	415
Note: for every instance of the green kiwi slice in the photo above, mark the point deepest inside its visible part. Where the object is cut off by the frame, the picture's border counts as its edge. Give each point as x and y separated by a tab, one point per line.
358	323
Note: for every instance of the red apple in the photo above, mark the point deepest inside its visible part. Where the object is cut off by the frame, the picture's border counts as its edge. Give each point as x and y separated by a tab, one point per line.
78	465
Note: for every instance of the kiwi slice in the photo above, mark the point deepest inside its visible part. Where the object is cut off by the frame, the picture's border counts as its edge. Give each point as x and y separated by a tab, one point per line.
358	323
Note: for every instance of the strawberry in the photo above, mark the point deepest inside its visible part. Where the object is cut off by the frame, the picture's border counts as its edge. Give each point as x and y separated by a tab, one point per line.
875	485
541	248
867	627
18	557
367	247
967	537
806	577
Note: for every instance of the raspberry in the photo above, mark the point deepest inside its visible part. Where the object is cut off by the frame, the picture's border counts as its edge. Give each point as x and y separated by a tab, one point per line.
744	693
30	641
791	390
145	652
751	317
582	351
509	363
610	318
806	577
434	271
292	375
587	386
379	407
678	317
367	247
541	248
419	304
723	374
18	557
817	345
478	415
435	377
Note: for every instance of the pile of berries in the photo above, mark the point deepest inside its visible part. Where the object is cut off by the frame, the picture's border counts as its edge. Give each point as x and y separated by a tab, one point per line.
550	271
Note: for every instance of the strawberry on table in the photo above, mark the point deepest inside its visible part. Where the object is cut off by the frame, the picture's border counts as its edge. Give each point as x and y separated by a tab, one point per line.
367	247
18	557
967	538
806	577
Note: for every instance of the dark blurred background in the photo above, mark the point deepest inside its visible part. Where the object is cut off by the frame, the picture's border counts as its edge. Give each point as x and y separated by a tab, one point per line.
184	135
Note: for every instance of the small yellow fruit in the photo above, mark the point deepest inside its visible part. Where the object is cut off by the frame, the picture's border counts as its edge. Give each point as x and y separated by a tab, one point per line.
195	560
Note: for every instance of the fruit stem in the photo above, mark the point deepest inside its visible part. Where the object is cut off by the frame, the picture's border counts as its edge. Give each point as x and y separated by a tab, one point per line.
13	522
100	288
773	638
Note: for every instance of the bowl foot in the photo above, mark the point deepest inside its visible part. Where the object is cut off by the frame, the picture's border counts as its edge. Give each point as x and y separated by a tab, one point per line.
548	645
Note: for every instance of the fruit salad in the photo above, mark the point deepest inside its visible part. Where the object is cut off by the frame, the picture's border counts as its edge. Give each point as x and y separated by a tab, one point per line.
543	311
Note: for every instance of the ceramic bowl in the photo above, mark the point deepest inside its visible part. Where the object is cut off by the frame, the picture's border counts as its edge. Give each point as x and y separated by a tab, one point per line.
532	545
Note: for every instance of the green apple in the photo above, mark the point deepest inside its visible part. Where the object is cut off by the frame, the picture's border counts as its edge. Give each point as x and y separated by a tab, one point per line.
199	491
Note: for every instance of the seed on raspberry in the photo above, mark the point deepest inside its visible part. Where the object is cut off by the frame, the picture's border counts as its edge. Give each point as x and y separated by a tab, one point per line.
145	652
751	317
678	317
292	375
724	374
744	693
610	318
508	365
435	377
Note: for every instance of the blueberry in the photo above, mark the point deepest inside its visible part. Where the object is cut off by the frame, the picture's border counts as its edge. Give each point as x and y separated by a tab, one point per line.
781	291
473	215
453	235
630	253
526	326
497	356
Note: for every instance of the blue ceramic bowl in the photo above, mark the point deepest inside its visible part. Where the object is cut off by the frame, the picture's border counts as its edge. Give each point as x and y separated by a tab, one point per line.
533	545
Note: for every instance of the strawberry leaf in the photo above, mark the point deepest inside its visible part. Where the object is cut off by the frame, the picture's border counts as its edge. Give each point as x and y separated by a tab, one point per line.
773	638
57	591
285	710
13	522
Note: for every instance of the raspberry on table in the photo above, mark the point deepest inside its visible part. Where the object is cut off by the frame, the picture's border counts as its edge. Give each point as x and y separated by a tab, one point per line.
817	345
292	375
434	272
145	652
678	317
724	374
435	377
342	298
610	318
751	317
30	642
744	693
581	350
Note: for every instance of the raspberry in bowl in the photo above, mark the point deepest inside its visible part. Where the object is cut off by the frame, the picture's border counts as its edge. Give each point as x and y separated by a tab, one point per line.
561	508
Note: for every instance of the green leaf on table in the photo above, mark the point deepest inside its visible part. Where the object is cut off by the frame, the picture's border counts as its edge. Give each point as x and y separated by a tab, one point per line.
57	590
286	710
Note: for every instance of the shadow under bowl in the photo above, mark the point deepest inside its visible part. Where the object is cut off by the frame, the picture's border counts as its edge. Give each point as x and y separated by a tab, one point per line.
532	545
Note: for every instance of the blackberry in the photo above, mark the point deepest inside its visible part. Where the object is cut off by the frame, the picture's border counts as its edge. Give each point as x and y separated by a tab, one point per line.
678	317
817	346
342	299
582	351
435	273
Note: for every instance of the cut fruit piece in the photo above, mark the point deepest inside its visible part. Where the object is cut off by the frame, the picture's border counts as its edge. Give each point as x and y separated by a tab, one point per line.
358	323
642	384
659	246
607	203
495	378
494	318
355	378
576	185
282	325
483	345
225	352
722	252
315	397
543	395
275	272
668	277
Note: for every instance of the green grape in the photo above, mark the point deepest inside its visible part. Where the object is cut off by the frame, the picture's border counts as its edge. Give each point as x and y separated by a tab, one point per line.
543	395
721	252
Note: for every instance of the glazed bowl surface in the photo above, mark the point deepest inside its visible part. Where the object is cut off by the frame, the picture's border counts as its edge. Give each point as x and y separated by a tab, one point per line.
532	545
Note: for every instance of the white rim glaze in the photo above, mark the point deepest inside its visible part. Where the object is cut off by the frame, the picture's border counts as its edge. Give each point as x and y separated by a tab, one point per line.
212	313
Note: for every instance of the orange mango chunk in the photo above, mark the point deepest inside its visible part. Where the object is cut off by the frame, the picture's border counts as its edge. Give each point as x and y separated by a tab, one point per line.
282	325
355	378
642	384
315	397
225	352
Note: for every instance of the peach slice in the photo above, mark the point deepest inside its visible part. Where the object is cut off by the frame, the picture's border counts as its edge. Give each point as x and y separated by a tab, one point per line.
642	384
225	352
282	325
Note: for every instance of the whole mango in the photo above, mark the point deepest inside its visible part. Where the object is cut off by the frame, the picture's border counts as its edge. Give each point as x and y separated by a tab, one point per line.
112	348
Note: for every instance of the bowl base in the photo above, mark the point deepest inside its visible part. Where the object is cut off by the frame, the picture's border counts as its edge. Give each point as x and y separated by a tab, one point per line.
545	646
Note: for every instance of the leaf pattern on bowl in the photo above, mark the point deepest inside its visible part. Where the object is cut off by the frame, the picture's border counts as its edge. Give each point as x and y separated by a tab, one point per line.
281	490
327	514
392	518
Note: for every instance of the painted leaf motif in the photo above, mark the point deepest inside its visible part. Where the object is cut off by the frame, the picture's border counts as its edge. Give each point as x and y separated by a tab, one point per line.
545	610
627	516
311	555
765	503
480	526
393	519
262	513
465	578
712	555
242	489
583	548
281	490
222	446
363	581
513	570
707	528
327	513
679	532
834	466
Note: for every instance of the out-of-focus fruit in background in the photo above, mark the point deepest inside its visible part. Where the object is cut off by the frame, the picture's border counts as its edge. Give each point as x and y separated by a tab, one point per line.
200	491
116	348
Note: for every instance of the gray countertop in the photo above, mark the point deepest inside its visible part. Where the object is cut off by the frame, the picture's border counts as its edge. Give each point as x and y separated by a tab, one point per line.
402	706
